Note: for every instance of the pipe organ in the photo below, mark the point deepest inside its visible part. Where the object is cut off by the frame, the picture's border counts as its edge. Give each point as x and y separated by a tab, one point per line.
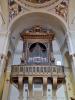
37	63
35	49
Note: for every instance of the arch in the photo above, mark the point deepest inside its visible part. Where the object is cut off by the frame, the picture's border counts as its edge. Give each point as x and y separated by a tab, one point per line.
46	19
28	13
43	47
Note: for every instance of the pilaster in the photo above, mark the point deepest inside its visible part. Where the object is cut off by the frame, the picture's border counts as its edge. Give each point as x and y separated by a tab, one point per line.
4	43
6	89
2	72
70	85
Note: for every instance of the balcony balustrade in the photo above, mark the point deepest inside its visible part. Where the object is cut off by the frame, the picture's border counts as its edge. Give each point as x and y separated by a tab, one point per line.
37	70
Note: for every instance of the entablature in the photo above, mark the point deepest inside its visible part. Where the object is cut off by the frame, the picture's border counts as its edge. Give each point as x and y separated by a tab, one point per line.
38	32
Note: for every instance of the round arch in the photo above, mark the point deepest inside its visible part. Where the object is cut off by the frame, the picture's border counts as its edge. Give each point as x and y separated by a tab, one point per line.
45	19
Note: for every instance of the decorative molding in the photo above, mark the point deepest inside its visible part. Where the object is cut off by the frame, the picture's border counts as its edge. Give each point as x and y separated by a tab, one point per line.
50	3
62	9
59	7
37	32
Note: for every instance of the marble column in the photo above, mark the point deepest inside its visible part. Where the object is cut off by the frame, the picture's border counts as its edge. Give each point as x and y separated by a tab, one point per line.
23	59
69	77
54	97
2	72
69	85
4	43
20	87
6	89
44	86
3	51
54	88
51	59
30	86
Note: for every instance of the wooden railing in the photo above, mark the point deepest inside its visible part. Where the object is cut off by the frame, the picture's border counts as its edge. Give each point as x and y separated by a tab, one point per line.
37	70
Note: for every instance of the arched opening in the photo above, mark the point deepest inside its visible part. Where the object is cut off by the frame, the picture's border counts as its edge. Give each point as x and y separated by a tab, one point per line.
45	20
38	47
42	47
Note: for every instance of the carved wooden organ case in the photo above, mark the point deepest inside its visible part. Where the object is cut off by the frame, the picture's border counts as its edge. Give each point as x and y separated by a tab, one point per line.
37	46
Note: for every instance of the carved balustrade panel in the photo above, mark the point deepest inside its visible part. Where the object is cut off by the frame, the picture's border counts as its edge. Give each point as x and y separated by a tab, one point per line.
36	70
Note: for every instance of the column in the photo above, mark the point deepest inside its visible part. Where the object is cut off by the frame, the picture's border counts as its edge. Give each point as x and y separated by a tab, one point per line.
69	77
30	86
70	85
51	58
6	89
45	86
20	87
24	54
4	42
25	51
54	88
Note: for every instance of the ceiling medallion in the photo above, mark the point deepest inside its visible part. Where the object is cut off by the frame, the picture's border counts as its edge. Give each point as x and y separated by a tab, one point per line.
38	3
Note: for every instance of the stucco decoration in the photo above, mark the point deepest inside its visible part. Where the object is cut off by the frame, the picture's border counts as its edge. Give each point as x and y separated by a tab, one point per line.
59	7
38	3
62	9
